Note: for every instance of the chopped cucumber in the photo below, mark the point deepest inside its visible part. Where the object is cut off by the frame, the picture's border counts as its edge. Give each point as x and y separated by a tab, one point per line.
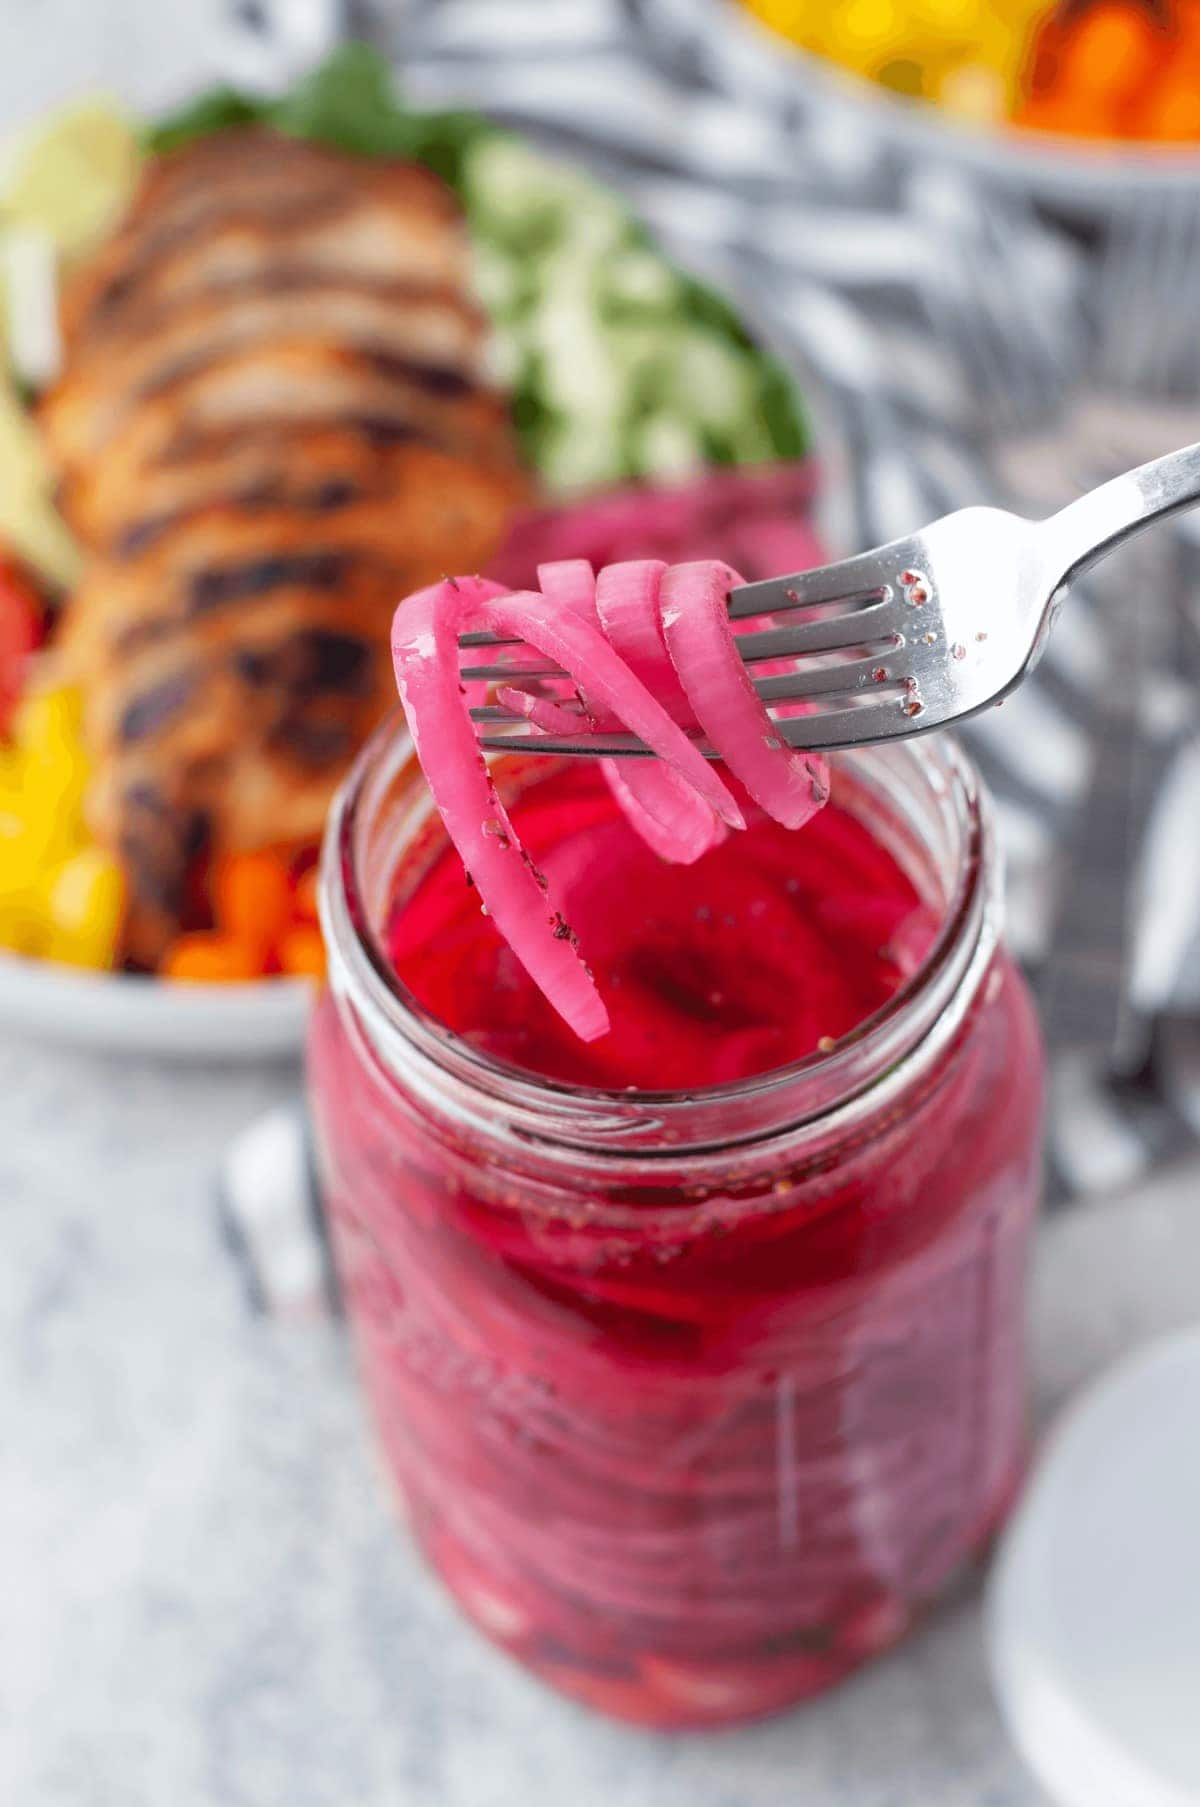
495	281
591	232
504	358
505	205
636	348
577	364
581	453
667	446
637	283
711	380
568	268
516	194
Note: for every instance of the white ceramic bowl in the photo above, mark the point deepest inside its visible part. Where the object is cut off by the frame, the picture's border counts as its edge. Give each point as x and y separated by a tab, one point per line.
153	1016
1089	178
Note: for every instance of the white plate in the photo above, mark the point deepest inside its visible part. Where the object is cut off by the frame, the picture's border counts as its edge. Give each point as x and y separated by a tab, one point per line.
1086	177
153	1016
1094	1606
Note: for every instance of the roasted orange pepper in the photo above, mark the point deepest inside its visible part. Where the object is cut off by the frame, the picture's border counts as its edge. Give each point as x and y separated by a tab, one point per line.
302	953
1115	50
304	902
1171	111
252	897
212	959
1090	71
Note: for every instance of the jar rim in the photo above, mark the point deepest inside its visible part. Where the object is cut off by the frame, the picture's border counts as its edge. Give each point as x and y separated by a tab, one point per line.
535	1107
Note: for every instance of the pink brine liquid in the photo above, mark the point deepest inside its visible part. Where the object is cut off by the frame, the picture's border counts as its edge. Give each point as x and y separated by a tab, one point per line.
695	1444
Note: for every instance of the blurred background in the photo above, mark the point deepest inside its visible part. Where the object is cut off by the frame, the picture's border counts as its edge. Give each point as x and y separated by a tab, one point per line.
768	278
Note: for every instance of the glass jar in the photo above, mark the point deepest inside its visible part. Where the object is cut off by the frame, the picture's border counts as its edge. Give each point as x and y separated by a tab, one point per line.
693	1401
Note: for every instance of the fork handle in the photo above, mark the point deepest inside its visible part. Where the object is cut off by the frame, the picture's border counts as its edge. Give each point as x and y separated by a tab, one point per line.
1086	530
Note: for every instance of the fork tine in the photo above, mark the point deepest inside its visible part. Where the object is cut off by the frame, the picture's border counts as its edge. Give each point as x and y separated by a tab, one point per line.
496	712
849	582
504	674
858	676
584	746
489	640
873	627
850	727
844	633
743	607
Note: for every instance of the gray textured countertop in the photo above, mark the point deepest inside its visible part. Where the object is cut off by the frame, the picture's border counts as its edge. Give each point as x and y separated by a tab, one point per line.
205	1599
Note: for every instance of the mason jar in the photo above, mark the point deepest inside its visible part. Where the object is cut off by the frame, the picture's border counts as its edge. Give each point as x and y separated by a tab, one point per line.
694	1400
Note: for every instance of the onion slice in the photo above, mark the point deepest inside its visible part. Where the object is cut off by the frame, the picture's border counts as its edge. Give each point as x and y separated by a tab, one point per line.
789	785
425	654
551	716
663	808
627	602
571	583
659	804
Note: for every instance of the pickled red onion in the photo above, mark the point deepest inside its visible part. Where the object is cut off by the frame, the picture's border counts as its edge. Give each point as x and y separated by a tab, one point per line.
425	654
571	583
627	603
790	786
663	807
543	711
659	804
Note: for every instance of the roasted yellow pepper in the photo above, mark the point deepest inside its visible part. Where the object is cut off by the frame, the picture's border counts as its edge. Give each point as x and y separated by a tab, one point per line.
61	897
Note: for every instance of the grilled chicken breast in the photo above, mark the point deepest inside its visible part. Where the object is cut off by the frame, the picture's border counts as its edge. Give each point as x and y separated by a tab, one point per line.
262	208
431	332
289	386
434	498
204	576
272	423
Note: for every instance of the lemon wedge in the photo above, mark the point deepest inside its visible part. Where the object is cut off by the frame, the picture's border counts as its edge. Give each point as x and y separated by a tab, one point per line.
73	176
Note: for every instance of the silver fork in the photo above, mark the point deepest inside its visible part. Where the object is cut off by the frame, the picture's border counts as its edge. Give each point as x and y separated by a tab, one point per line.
915	635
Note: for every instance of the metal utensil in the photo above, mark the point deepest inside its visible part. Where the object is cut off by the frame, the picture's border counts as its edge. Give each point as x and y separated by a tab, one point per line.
915	635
